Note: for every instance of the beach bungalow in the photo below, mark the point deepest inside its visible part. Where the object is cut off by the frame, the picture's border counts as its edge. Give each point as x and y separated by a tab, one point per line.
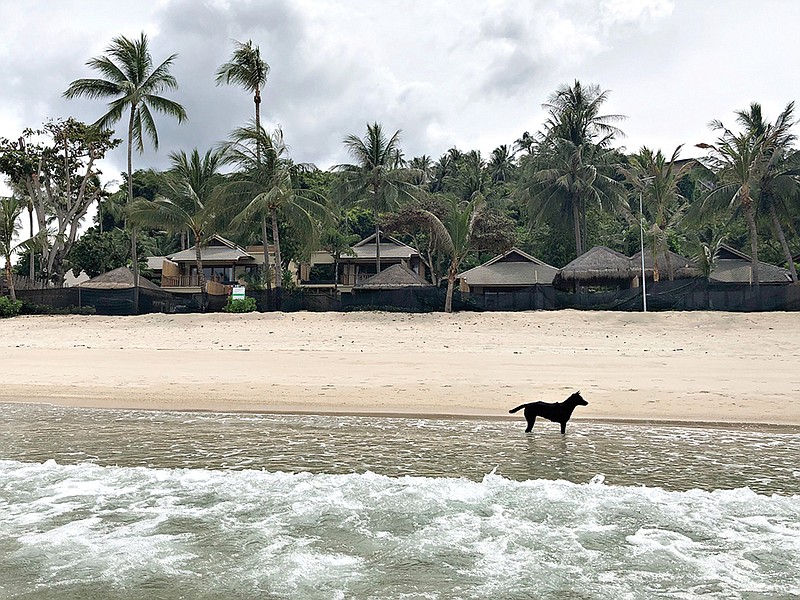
733	266
319	271
599	267
112	293
512	271
224	264
682	267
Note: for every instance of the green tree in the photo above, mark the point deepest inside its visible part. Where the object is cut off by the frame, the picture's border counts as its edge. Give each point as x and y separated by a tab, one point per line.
98	252
135	86
187	203
574	165
655	180
266	187
247	69
377	179
10	225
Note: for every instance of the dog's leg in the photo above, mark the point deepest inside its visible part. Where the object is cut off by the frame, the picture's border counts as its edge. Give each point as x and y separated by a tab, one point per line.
563	427
531	422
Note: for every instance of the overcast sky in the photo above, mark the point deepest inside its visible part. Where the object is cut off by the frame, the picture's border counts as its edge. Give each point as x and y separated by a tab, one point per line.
466	73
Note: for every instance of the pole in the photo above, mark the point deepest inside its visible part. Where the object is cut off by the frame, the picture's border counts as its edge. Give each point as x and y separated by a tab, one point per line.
641	239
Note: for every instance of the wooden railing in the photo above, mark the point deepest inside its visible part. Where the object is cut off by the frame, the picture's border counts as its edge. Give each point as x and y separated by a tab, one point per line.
177	281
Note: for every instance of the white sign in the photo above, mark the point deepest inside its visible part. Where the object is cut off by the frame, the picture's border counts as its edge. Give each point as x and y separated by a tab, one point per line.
238	292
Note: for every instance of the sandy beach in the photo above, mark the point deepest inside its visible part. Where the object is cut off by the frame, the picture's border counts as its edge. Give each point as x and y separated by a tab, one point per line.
692	367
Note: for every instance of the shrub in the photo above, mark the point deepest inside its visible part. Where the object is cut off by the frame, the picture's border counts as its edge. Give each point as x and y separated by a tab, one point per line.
243	305
31	308
8	307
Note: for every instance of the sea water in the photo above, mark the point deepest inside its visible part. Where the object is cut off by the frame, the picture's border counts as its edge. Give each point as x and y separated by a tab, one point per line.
133	504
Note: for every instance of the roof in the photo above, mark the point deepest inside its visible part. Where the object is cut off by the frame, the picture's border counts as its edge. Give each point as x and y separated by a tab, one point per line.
395	277
390	248
156	263
733	266
513	268
218	249
118	279
682	267
599	263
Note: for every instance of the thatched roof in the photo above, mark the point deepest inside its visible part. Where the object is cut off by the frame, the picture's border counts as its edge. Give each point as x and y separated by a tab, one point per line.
118	279
514	268
682	267
394	278
600	264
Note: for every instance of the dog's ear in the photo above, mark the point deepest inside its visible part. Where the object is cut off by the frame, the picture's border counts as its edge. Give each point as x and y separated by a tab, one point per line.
578	392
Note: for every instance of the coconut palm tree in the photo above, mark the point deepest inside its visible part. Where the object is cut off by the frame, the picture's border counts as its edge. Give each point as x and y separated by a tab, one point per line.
187	203
574	165
377	178
564	178
10	225
266	187
655	178
455	234
778	183
247	69
136	87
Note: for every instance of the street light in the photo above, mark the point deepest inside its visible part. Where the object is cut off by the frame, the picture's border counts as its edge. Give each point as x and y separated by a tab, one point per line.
641	241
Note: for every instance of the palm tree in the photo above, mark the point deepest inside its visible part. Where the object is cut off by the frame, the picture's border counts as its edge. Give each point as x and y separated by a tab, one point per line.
564	178
247	69
778	183
654	178
574	165
136	87
10	225
187	204
266	187
455	235
377	179
502	164
738	160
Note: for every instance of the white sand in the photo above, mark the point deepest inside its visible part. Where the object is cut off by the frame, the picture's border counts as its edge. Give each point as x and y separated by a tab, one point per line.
710	367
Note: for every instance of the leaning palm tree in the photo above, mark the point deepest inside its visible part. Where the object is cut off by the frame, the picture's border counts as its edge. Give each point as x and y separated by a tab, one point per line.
454	234
10	225
377	178
654	179
265	187
186	204
129	78
247	69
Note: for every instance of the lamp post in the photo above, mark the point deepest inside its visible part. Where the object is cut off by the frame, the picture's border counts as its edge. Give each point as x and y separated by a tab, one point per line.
641	240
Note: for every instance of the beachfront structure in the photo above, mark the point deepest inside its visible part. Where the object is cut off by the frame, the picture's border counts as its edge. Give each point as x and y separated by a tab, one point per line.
356	267
112	293
601	267
682	267
508	272
224	265
732	266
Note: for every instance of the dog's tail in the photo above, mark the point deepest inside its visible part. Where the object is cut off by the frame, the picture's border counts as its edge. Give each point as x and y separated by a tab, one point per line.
521	406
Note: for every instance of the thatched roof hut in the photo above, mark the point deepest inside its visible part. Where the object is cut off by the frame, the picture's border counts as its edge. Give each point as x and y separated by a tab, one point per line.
598	266
682	267
118	279
512	269
395	277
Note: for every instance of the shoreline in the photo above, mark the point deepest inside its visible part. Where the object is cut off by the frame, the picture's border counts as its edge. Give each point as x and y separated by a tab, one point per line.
788	428
682	367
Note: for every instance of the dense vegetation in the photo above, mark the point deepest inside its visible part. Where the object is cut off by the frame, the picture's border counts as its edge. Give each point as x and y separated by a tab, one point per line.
554	194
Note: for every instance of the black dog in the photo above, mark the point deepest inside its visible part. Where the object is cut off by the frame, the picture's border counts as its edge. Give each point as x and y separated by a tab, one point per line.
558	412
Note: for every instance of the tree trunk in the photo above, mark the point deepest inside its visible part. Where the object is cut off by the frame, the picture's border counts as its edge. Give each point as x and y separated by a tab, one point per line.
134	252
31	253
451	284
778	232
749	214
201	276
10	278
377	245
278	264
576	225
257	102
336	272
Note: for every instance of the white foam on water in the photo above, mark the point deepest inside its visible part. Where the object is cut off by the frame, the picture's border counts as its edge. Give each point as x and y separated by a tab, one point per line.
229	533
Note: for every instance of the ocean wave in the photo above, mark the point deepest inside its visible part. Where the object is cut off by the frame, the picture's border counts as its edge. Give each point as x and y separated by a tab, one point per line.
245	533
